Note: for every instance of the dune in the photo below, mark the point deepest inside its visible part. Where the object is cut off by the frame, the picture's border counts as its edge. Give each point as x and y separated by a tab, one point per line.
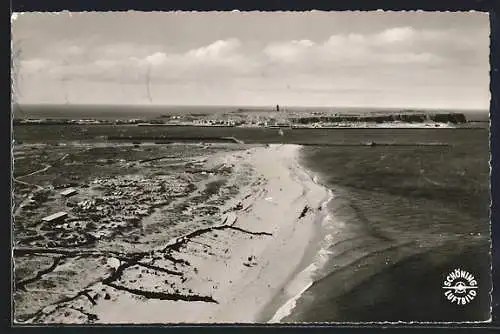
227	273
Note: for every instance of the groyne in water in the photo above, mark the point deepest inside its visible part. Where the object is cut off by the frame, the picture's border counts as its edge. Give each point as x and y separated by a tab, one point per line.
197	139
168	139
372	144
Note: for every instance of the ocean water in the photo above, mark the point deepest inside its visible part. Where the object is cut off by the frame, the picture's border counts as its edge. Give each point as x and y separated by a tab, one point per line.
401	219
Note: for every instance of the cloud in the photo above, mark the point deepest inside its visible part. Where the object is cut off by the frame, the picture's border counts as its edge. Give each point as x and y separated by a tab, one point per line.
341	67
396	35
400	45
74	50
216	51
289	51
396	46
414	58
126	63
156	58
35	65
118	51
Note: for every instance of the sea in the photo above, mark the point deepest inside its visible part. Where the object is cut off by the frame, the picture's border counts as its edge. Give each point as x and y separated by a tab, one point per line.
400	219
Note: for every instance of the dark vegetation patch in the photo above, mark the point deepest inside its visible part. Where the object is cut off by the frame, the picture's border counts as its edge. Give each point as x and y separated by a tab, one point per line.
213	187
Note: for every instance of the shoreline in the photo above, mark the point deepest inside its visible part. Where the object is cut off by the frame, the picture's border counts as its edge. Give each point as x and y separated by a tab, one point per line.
228	272
313	260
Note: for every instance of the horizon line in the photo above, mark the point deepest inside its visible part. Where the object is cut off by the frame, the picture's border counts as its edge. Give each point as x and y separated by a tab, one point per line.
242	105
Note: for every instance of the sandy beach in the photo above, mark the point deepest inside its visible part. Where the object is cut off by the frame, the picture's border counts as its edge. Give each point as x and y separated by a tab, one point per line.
228	272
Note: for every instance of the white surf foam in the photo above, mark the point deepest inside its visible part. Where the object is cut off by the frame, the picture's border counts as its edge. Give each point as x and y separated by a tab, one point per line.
304	279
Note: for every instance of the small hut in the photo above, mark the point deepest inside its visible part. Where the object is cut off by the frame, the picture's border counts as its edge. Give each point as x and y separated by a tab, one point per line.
68	192
55	217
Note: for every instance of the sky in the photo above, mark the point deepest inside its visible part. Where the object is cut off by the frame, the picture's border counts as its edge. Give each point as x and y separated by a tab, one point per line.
355	59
